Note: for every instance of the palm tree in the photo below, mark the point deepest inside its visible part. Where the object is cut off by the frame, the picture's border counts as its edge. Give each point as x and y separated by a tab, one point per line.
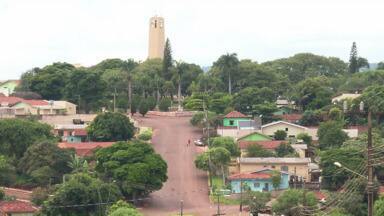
128	70
228	64
179	71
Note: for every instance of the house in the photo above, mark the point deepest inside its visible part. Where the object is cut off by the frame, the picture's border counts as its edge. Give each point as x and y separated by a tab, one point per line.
298	167
300	149
8	87
345	96
77	136
236	124
17	208
65	131
290	117
85	148
257	181
281	102
291	129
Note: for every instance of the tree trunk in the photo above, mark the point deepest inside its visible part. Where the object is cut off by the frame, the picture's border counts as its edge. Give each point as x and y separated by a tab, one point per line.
229	84
130	95
179	94
222	171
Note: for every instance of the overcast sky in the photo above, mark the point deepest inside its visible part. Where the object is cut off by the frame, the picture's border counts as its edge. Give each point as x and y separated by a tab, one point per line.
40	32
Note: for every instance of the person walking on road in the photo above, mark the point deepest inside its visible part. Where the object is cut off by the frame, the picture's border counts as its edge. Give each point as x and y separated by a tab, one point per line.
189	142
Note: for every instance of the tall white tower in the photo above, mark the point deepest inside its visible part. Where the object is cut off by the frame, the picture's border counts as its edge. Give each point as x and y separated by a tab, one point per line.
156	38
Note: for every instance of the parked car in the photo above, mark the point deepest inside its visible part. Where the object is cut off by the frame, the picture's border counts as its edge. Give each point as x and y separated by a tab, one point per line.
199	142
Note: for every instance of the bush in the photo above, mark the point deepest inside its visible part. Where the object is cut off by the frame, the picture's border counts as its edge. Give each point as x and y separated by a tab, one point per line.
2	194
146	135
39	195
151	102
164	104
280	135
143	108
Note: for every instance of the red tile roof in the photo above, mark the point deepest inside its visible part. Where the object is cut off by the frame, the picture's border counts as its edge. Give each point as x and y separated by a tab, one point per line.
254	175
80	132
269	144
381	190
17	206
14	100
85	148
235	114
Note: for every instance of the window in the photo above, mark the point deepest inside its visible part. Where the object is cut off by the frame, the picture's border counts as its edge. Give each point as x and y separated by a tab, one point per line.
284	168
231	122
155	23
265	166
273	166
286	129
256	184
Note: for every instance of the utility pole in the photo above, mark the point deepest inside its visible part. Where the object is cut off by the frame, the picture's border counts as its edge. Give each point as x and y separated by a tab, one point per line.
241	194
369	165
114	101
218	205
181	207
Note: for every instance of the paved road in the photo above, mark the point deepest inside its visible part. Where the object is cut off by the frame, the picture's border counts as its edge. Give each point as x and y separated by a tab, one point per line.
185	182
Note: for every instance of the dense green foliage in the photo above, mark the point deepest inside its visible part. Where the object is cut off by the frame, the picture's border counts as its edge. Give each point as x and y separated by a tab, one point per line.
227	143
290	202
18	134
255	150
331	135
45	163
81	189
379	206
134	165
256	201
121	208
111	127
280	135
284	149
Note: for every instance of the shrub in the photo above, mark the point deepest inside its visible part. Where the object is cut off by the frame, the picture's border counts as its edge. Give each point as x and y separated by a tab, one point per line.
164	104
151	102
146	135
2	194
280	135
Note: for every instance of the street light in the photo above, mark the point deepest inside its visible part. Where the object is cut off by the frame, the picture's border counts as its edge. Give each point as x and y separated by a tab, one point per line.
338	164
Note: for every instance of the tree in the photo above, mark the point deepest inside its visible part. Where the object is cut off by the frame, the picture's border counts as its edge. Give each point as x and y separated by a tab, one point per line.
379	206
45	161
227	143
276	179
373	98
111	127
167	61
49	82
121	208
14	144
128	70
353	66
291	202
227	65
245	99
265	110
331	135
380	66
333	176
219	102
85	88
7	171
255	150
81	189
256	201
335	114
198	120
143	108
202	161
280	135
313	93
134	165
311	118
307	139
165	104
220	157
284	149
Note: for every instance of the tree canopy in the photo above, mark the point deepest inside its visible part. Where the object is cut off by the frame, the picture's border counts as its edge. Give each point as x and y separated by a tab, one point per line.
111	127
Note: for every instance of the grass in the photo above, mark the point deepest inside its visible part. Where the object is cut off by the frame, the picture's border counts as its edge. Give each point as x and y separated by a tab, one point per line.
217	183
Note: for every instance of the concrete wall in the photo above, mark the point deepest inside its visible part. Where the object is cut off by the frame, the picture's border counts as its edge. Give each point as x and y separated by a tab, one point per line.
290	129
234	133
259	184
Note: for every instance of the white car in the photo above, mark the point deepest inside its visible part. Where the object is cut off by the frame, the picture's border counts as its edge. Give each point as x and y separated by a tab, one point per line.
199	142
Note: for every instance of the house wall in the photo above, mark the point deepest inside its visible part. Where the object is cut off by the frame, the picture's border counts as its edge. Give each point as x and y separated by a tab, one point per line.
236	184
291	130
227	121
234	133
24	109
73	139
300	169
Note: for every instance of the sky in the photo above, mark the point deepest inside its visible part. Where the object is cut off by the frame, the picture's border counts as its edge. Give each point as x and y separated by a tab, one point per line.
39	32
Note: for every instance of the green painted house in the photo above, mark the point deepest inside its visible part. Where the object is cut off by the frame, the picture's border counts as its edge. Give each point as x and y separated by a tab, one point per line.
8	87
233	118
255	137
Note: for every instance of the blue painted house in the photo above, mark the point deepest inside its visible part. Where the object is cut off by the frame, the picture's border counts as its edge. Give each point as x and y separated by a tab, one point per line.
257	181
